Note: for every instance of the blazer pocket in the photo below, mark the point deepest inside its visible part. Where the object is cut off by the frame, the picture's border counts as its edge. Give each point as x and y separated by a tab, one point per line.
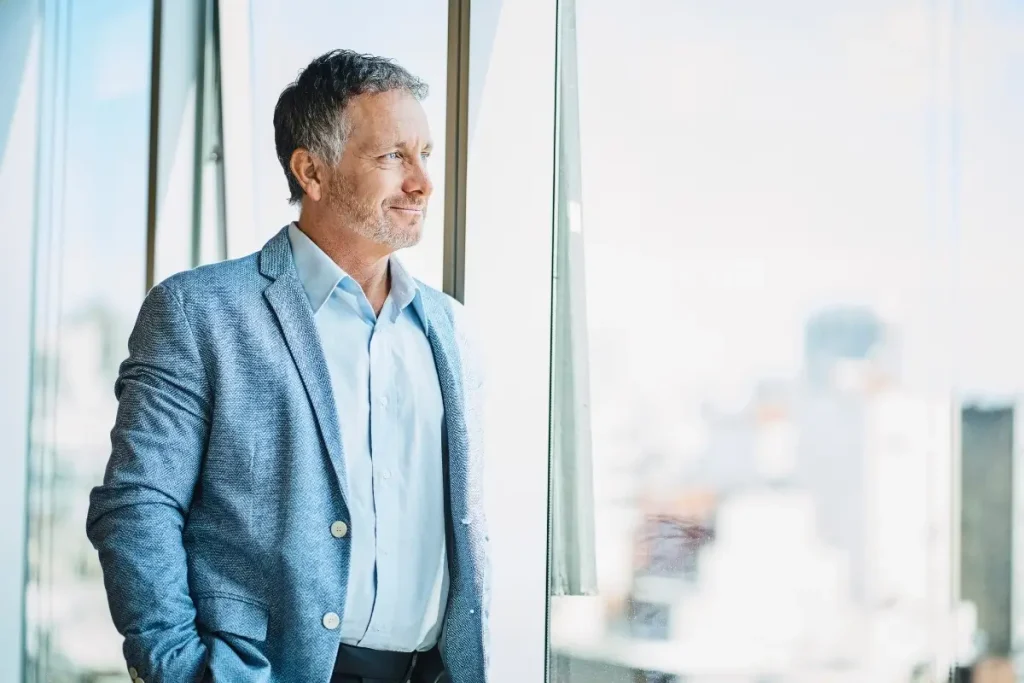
228	614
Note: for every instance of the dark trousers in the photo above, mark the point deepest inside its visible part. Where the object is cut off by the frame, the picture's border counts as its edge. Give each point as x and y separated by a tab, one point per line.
361	665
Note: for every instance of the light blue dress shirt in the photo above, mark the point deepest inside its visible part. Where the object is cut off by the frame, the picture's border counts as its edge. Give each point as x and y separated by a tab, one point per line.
389	407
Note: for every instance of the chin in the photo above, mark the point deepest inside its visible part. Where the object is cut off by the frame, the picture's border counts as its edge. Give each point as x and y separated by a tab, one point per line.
411	240
402	239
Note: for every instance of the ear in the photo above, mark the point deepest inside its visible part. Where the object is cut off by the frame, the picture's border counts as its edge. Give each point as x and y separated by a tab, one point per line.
310	172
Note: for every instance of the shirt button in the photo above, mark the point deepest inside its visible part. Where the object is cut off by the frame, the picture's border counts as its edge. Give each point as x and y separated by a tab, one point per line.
384	401
387	473
331	621
339	529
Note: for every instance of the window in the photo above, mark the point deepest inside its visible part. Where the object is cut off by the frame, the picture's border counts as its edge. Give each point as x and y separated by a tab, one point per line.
19	97
797	223
188	220
120	145
89	280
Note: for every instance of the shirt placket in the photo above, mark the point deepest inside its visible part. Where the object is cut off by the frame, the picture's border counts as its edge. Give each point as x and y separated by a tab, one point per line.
382	430
361	589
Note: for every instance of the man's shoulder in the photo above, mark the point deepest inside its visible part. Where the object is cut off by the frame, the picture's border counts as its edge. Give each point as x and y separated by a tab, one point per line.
451	309
436	301
216	281
457	322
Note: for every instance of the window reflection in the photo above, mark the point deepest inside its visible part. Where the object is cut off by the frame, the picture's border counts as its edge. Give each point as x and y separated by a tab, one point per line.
802	384
89	283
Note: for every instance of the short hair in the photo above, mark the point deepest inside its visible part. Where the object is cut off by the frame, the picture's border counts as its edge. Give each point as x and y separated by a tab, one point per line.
310	111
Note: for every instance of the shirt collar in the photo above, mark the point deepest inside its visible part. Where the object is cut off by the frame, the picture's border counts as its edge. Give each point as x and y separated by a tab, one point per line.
405	290
319	275
317	271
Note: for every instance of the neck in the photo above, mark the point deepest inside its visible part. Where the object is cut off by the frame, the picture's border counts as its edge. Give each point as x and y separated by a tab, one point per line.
365	261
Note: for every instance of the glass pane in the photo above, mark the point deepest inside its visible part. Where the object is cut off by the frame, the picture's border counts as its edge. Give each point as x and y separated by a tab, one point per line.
210	241
987	209
287	35
19	116
189	186
795	222
89	284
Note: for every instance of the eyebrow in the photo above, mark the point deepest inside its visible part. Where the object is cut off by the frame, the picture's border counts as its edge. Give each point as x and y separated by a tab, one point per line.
398	144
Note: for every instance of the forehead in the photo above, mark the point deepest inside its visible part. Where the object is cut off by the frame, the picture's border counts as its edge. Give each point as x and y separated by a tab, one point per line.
389	117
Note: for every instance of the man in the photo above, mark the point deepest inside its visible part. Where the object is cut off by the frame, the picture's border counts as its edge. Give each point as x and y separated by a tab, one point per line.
294	489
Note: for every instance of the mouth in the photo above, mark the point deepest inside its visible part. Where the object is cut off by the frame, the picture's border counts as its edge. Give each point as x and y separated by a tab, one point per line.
408	209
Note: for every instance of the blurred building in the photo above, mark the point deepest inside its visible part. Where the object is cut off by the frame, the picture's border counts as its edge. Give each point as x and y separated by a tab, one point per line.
986	520
808	540
835	336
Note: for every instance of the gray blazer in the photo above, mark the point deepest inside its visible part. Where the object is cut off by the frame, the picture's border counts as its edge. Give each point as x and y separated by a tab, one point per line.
214	520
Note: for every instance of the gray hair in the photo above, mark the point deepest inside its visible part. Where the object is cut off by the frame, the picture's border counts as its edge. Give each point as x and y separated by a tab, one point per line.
310	112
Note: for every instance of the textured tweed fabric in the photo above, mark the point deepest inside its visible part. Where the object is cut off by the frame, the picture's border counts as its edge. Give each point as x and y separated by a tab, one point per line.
214	519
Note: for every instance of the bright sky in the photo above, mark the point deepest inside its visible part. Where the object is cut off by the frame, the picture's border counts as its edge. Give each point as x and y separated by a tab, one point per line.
742	166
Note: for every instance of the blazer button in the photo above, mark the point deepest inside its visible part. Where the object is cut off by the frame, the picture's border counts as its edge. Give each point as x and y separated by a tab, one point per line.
133	673
339	529
331	621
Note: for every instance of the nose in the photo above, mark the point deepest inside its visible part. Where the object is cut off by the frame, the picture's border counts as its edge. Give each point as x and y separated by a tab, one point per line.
417	179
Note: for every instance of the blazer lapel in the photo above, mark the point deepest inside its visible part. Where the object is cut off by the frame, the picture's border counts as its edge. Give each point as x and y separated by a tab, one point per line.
440	333
289	303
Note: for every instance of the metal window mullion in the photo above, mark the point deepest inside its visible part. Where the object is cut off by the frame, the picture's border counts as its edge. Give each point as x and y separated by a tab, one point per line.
198	157
216	129
154	145
456	154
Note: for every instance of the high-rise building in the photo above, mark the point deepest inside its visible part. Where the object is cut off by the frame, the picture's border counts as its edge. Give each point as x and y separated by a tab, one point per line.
986	520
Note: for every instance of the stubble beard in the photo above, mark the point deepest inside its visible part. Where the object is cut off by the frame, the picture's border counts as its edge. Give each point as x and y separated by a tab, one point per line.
369	220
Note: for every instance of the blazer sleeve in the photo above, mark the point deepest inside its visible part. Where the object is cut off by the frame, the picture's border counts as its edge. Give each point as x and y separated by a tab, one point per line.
136	517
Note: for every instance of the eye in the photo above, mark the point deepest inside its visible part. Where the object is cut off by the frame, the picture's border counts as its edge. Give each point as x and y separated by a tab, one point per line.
425	155
393	156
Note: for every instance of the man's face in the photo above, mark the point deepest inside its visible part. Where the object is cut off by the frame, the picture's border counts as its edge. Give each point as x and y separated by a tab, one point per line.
380	187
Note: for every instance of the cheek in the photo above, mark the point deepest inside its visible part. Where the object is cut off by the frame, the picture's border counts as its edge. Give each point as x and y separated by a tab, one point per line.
388	184
365	194
376	189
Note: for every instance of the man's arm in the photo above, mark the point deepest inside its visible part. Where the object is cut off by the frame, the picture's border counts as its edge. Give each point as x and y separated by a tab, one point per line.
136	517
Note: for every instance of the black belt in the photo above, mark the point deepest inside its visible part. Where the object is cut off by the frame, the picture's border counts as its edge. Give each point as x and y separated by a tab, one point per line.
360	662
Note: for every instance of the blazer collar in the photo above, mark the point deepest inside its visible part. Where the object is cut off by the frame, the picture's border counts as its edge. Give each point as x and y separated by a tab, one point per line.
276	257
276	261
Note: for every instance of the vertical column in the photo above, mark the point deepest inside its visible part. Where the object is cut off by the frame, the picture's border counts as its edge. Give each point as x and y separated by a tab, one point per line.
508	261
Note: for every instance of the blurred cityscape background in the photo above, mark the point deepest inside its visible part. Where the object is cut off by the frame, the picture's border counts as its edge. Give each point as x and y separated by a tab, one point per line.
795	229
